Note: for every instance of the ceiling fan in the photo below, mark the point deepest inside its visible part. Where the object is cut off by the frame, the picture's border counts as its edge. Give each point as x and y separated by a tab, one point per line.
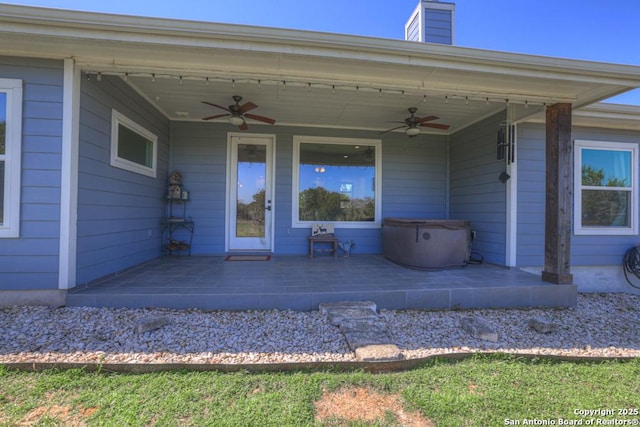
412	123
238	113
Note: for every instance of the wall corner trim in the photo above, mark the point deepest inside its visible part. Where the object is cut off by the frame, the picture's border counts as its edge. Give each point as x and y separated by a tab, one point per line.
69	179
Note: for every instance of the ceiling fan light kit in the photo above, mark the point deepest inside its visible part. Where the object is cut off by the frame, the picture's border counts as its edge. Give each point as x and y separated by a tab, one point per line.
236	120
412	131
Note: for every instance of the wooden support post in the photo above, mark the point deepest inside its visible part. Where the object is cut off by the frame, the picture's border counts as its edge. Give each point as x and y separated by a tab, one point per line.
559	196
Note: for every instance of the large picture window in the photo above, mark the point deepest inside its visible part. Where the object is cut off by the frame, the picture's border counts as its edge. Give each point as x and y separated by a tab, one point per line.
606	188
336	180
10	154
133	147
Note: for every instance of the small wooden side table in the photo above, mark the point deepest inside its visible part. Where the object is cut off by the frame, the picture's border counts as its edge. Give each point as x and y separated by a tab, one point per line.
332	240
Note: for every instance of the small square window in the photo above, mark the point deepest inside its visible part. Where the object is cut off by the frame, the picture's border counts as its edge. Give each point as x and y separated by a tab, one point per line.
133	147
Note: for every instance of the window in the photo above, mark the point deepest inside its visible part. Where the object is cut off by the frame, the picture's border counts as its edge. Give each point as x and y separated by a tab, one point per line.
132	147
606	188
336	180
10	153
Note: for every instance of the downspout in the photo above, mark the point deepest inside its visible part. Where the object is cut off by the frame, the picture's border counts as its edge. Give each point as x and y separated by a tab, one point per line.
69	176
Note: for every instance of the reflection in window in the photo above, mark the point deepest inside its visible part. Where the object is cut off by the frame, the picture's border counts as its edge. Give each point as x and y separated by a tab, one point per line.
605	187
134	147
337	181
250	203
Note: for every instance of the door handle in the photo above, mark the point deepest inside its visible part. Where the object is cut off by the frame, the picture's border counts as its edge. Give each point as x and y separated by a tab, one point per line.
268	207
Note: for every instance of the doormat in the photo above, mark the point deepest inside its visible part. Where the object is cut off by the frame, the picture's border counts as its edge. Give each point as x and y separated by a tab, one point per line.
248	258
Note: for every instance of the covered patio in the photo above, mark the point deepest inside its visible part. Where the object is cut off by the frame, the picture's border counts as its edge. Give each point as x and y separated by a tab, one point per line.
300	283
186	89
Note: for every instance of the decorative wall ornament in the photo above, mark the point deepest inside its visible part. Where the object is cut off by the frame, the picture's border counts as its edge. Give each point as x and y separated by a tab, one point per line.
175	178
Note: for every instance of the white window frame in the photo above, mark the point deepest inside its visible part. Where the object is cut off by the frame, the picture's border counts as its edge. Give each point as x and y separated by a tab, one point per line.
295	196
118	119
632	229
10	224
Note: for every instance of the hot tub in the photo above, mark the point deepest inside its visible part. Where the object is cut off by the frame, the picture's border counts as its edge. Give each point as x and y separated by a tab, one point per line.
426	243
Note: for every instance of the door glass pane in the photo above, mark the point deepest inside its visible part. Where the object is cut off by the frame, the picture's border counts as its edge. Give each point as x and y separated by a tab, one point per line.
605	208
337	182
250	201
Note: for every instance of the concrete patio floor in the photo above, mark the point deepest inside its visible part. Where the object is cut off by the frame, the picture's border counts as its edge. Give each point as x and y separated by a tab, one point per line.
300	283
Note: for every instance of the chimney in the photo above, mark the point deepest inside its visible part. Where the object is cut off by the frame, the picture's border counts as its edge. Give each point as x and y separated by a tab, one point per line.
431	22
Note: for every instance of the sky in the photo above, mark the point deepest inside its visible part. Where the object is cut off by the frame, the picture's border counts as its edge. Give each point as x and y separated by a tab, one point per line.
593	30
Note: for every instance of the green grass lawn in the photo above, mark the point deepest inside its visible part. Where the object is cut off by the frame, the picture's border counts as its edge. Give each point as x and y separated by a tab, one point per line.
481	391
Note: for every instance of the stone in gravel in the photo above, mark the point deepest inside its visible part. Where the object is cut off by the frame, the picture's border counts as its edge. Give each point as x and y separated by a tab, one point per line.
541	326
379	353
479	329
359	339
147	324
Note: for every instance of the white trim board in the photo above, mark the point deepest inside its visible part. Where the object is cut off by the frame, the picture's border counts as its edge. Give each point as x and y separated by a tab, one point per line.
69	176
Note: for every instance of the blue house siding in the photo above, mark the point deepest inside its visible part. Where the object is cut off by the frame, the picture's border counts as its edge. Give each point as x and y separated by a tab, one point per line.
199	152
413	182
30	262
118	211
585	250
531	195
476	193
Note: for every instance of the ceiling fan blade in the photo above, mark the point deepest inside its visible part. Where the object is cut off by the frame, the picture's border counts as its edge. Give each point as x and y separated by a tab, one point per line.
392	129
428	119
435	126
247	107
260	118
216	105
243	126
215	117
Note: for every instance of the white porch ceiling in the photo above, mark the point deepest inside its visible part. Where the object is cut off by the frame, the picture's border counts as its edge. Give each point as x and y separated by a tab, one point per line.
305	78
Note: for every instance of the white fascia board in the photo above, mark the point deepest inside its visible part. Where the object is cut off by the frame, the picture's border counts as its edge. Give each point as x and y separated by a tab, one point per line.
161	31
613	116
600	115
619	111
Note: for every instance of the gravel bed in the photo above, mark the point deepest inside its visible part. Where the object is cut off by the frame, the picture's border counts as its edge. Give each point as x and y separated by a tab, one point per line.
602	325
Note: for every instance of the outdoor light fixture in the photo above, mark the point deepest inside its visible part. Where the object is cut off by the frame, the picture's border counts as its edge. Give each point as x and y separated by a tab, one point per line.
412	131
236	120
320	169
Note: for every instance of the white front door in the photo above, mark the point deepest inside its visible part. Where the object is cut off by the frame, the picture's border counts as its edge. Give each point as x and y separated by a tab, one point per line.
250	193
